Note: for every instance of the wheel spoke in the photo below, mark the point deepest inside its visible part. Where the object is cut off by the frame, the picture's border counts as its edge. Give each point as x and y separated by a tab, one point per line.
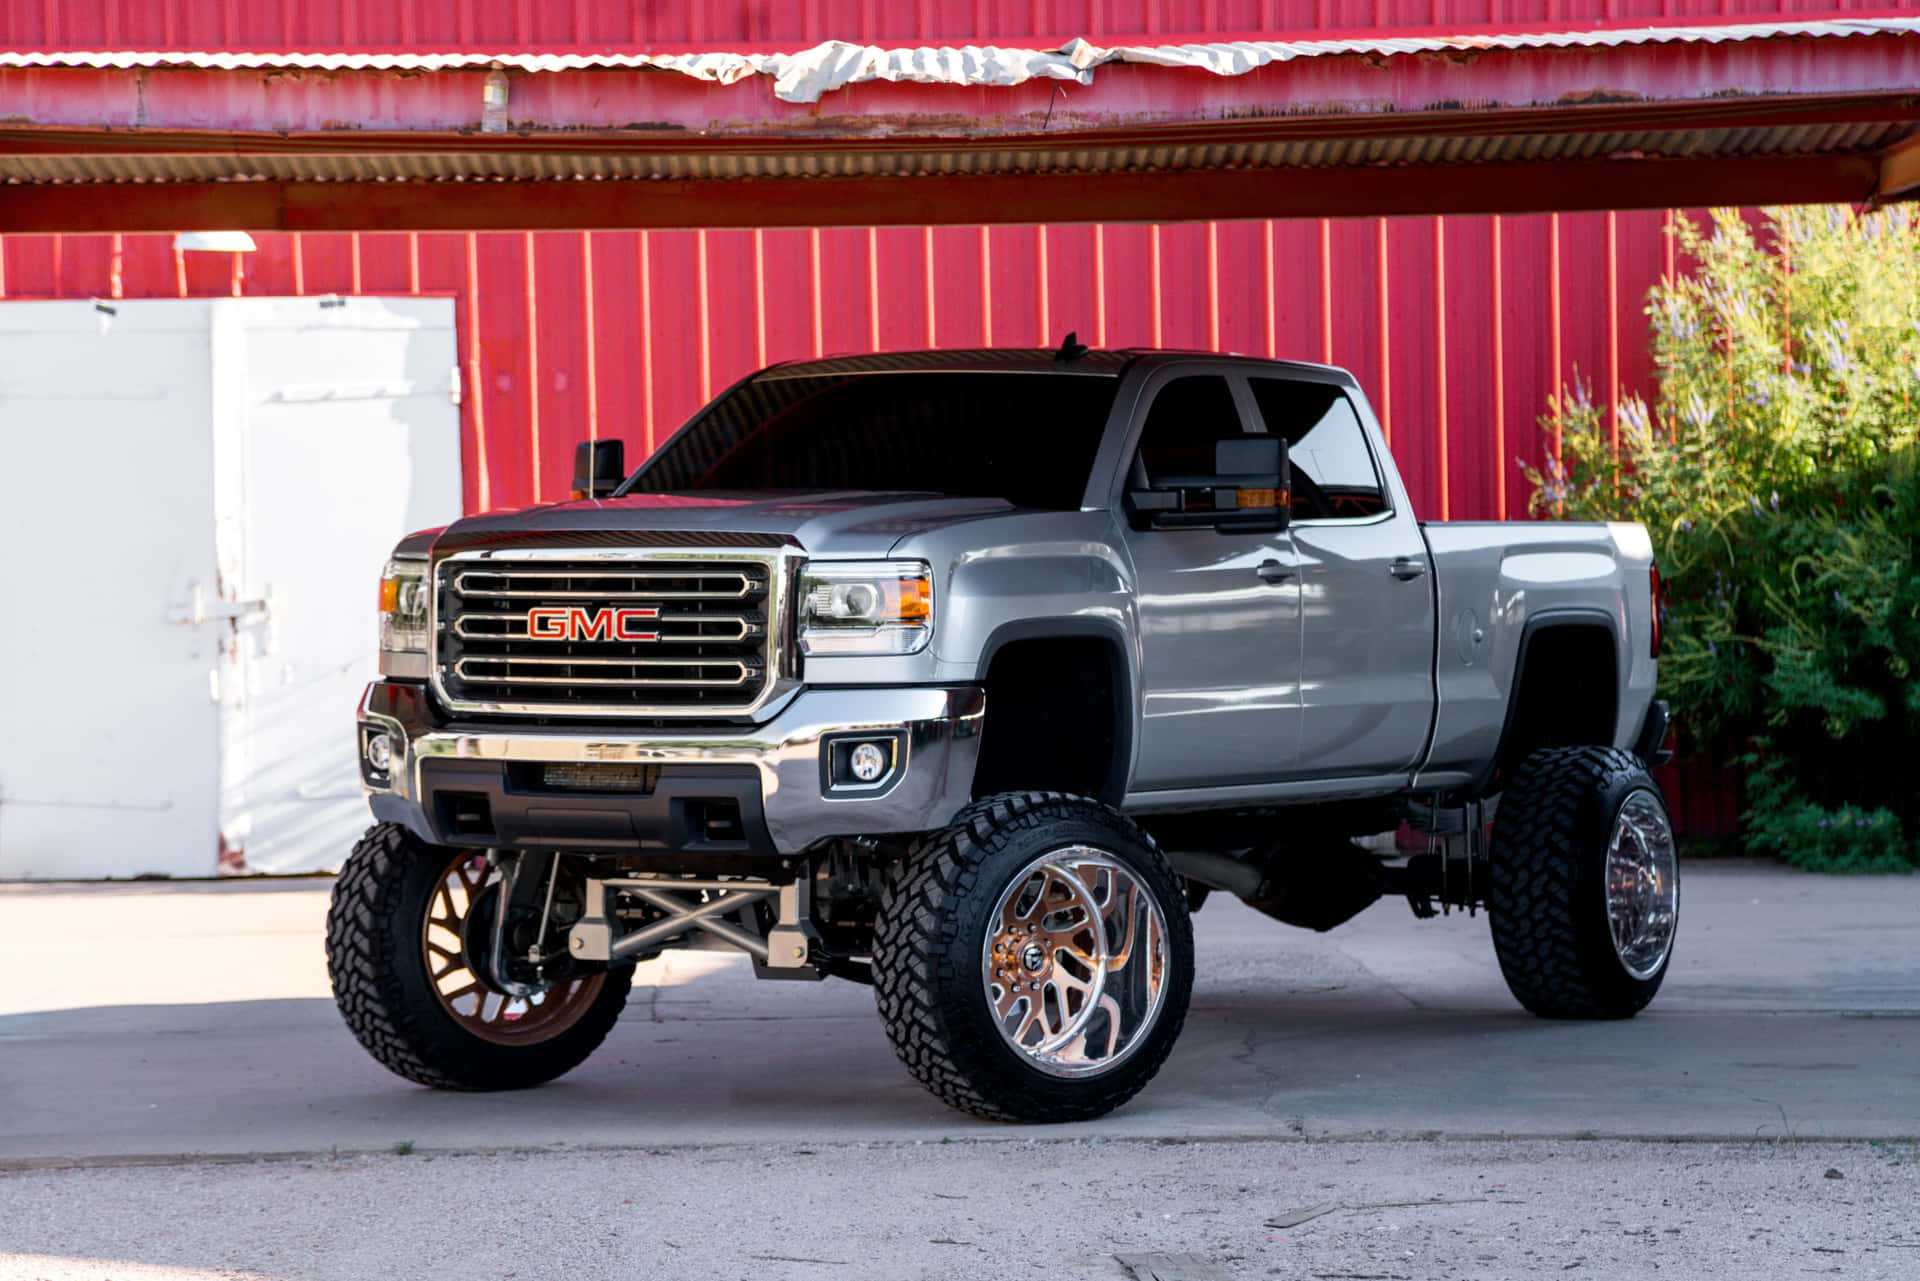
1641	884
463	992
1074	963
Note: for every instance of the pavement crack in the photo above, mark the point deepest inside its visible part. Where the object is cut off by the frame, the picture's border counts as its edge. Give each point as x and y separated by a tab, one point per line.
1245	1056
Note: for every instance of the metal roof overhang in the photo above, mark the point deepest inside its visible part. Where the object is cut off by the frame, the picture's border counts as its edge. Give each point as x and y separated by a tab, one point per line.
303	143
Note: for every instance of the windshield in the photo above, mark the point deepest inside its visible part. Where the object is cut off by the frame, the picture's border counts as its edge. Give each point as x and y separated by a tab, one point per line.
1029	438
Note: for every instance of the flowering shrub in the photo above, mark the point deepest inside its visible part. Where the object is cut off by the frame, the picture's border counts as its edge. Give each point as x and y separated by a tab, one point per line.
1778	471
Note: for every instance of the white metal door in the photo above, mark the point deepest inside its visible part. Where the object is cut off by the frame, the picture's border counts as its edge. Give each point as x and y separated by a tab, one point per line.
350	438
108	727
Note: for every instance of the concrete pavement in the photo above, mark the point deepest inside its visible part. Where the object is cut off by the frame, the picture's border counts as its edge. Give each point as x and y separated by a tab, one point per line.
180	1102
152	1020
1052	1210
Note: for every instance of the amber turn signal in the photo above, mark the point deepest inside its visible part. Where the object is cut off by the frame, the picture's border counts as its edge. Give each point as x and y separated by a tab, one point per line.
916	600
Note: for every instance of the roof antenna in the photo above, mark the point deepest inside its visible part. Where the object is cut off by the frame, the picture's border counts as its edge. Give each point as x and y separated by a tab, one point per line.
1070	350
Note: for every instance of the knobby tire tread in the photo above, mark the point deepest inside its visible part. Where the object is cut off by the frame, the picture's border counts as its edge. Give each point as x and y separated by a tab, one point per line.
914	941
1533	902
399	1030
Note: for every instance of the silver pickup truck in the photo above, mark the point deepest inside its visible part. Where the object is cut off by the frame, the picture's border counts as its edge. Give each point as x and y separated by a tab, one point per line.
969	675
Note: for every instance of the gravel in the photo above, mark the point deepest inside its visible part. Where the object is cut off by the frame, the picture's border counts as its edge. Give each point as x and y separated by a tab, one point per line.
1005	1207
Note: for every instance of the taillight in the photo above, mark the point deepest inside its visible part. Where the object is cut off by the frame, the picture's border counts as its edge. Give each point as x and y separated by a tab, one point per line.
1658	595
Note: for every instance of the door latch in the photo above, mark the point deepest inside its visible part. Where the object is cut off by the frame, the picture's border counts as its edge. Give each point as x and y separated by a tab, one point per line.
198	609
1272	571
1406	567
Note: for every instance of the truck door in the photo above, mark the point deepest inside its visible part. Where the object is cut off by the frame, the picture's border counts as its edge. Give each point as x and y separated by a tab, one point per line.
1219	613
1366	674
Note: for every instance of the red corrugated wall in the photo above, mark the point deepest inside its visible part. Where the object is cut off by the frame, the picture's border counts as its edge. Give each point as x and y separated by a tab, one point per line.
567	334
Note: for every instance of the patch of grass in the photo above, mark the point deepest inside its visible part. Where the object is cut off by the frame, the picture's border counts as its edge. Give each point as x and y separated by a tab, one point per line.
1788	1136
403	1148
1585	1136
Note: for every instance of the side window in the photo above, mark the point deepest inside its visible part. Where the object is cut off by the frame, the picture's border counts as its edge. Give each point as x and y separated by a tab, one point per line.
1333	472
1187	416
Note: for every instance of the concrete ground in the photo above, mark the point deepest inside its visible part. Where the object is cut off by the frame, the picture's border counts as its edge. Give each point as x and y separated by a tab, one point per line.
733	1128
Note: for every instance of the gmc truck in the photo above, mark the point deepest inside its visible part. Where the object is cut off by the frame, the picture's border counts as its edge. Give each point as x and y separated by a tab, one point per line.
969	675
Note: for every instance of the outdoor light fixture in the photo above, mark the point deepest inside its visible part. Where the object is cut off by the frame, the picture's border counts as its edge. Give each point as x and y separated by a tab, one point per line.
232	242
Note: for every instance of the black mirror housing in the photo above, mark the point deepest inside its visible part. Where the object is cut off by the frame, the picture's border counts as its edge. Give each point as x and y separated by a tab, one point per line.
1250	491
598	467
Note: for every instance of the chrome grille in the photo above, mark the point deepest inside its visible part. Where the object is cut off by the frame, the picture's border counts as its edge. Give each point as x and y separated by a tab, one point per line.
692	636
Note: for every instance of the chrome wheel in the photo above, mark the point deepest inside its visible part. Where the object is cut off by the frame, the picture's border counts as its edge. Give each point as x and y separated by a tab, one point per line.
1075	962
467	889
1643	884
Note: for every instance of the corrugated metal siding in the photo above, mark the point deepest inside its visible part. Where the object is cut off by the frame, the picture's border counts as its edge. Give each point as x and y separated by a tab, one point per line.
454	25
625	333
530	163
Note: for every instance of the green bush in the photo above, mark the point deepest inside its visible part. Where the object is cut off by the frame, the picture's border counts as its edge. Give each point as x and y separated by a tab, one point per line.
1845	839
1778	471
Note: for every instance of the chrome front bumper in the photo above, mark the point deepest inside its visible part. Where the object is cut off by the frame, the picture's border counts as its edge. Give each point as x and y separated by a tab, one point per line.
797	802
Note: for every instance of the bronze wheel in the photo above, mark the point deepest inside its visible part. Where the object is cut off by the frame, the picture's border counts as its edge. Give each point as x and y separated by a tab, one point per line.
457	926
1075	961
1033	961
406	948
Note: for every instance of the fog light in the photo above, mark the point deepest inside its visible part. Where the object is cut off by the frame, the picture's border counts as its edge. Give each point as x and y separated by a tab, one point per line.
379	753
868	762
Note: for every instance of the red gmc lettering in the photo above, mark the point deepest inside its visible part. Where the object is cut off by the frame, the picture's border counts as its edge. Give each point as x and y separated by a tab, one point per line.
576	622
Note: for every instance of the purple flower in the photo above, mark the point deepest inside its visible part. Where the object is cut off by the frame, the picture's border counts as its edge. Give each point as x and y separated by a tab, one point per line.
1686	526
1775	501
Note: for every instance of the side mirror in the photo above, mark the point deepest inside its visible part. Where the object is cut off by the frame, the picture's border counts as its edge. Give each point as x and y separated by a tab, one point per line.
1250	491
598	467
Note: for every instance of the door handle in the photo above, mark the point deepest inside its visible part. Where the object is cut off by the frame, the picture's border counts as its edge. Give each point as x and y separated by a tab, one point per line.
1272	571
1405	568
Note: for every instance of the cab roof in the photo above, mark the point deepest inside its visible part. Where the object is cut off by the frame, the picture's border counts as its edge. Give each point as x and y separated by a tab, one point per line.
1001	360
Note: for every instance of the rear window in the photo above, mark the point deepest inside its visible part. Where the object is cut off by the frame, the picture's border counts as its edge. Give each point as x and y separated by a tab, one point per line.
1029	438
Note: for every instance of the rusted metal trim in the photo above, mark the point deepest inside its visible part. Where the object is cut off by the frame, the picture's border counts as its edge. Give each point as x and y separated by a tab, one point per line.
837	136
982	199
1899	170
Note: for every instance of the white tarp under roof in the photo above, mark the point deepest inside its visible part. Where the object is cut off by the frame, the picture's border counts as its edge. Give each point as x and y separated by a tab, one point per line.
810	74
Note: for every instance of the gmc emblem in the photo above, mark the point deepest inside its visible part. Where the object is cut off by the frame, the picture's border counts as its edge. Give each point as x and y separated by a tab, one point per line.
577	623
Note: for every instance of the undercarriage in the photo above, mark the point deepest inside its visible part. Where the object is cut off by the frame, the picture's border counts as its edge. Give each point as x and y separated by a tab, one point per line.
1030	962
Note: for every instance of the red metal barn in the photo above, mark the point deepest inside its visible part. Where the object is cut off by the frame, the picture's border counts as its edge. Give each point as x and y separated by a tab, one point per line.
1460	324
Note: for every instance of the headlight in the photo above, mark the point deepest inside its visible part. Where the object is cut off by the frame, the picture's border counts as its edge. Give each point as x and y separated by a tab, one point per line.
866	607
403	616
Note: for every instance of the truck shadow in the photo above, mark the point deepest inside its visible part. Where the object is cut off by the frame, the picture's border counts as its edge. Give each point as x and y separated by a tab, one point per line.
285	1076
